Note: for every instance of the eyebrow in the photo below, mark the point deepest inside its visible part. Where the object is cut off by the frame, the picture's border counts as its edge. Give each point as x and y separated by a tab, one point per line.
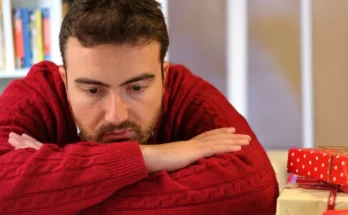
142	77
90	81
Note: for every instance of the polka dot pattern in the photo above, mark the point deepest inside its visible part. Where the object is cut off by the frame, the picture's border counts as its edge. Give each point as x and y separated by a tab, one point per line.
319	164
340	170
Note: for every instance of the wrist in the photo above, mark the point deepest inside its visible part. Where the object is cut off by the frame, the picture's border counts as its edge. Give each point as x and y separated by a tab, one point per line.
146	151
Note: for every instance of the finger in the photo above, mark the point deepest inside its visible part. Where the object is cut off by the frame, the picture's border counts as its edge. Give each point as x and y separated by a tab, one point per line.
23	147
217	149
16	140
228	148
229	141
29	141
34	141
27	137
19	142
241	136
237	142
225	136
14	135
13	141
31	144
216	131
220	130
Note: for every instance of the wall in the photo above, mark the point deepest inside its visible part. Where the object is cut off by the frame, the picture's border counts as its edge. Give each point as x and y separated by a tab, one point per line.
198	40
3	84
274	85
330	46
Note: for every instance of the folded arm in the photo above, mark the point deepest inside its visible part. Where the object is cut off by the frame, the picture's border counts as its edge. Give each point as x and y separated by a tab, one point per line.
242	182
61	180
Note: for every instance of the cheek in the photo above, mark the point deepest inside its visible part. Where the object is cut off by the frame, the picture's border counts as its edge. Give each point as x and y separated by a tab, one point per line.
89	115
145	109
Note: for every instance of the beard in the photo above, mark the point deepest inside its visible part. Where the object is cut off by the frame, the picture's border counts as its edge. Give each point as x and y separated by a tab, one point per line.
141	135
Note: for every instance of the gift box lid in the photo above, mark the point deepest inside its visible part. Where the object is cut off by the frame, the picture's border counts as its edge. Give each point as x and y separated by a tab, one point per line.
326	164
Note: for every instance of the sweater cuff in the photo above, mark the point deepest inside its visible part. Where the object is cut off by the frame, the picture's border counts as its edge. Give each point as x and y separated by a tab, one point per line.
125	163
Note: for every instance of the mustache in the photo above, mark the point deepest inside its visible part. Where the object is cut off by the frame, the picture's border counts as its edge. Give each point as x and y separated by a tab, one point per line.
109	127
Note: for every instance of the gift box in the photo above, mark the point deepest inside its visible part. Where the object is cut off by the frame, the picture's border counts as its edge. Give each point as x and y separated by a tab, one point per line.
300	201
327	164
332	212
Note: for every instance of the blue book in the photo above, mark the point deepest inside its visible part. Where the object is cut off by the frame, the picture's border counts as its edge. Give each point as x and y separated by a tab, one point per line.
26	37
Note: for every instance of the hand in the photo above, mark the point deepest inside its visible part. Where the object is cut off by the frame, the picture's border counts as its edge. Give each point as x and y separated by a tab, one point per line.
23	141
177	155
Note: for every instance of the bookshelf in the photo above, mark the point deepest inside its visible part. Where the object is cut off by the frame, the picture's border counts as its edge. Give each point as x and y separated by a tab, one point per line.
55	8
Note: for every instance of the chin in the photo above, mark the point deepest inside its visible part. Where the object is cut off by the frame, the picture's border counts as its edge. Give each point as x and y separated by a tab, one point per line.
117	141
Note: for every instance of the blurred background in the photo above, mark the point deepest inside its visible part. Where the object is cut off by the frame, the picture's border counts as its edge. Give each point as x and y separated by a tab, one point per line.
274	76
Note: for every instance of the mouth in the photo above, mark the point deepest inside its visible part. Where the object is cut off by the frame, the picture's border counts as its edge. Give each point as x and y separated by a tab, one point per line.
118	135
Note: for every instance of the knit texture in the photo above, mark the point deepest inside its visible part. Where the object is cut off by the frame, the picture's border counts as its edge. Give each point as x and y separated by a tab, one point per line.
67	176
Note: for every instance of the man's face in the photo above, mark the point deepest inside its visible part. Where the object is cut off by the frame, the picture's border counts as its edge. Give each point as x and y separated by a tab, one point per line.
115	91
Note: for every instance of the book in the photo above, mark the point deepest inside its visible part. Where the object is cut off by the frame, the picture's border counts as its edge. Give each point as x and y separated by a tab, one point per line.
46	33
26	37
36	36
31	36
2	44
18	38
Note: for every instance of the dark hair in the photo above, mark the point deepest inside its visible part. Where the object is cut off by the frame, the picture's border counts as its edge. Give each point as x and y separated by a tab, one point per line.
96	22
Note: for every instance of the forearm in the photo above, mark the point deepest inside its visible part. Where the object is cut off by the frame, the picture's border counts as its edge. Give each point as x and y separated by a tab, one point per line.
68	180
223	184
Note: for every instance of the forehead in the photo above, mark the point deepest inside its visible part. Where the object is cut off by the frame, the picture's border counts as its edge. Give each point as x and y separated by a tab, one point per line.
111	58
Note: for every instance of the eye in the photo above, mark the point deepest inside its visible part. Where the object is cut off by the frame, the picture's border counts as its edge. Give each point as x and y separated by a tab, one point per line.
93	91
136	88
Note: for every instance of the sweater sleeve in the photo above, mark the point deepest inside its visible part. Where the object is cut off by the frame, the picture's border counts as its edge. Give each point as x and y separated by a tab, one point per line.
54	180
232	183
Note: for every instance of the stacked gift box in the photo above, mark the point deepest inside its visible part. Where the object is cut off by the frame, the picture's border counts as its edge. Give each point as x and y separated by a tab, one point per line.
318	183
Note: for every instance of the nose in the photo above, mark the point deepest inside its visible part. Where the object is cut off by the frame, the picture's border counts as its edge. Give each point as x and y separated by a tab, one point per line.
116	110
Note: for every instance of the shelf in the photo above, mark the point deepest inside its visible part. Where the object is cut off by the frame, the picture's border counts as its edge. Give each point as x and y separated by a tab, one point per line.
55	20
18	73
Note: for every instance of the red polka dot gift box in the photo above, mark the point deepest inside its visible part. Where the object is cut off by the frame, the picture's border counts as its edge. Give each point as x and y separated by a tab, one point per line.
328	164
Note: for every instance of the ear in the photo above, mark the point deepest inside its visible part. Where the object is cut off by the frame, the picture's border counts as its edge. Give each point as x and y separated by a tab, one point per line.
165	70
62	73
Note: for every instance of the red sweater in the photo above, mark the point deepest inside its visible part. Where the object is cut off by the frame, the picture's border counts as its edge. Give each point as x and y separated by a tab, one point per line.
67	176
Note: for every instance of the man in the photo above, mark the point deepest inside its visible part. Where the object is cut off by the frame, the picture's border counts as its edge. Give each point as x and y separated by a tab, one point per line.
117	130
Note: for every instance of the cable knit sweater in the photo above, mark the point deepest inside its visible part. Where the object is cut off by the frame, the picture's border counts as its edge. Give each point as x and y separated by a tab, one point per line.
67	176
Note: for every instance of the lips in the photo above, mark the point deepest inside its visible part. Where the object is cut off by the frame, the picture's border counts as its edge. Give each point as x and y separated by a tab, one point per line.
118	135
